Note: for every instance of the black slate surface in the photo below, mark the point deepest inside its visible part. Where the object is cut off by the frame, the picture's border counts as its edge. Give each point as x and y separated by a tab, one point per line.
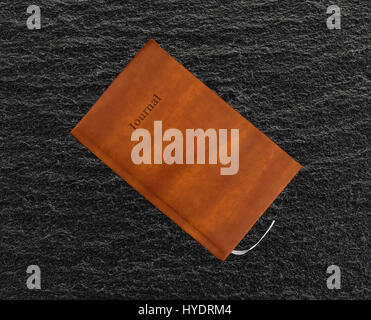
93	236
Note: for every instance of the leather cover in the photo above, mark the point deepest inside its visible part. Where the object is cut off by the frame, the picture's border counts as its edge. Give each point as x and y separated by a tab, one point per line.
216	210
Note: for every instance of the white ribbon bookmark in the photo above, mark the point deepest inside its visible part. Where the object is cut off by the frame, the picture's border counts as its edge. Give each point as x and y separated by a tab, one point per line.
241	252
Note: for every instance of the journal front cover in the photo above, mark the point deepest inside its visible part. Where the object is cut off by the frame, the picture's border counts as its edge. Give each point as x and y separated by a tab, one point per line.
186	150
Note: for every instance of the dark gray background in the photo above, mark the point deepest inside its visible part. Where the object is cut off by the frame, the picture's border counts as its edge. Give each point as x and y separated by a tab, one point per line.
93	236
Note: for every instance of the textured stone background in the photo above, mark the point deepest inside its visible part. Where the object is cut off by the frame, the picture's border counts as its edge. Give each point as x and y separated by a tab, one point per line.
93	236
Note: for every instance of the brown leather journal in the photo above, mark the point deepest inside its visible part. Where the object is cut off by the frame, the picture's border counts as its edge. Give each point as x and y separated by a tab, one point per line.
186	150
